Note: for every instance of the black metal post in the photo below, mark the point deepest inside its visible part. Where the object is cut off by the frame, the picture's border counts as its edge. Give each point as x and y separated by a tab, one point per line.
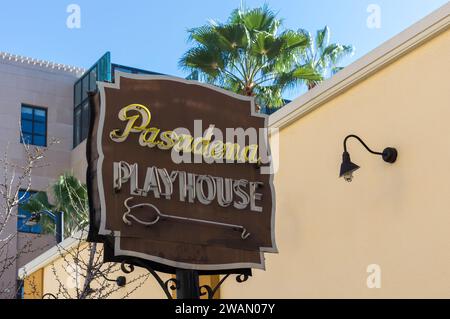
188	284
59	223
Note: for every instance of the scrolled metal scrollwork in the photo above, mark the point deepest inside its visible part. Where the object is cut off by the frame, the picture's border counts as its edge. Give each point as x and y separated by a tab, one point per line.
242	278
171	284
126	270
206	290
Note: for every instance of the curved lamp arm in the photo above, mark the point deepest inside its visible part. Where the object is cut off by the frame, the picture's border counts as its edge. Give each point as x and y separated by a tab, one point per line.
389	154
361	141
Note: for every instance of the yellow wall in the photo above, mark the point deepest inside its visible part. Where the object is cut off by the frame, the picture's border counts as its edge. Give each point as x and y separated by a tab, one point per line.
64	269
396	216
59	276
33	285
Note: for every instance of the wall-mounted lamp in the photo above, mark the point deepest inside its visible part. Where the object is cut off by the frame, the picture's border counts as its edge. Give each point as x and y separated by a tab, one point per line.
57	218
389	155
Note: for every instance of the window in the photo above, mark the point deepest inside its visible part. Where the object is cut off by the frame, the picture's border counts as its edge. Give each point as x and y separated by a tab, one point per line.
85	118
23	216
77	93
81	123
88	83
77	125
85	90
93	80
34	125
101	71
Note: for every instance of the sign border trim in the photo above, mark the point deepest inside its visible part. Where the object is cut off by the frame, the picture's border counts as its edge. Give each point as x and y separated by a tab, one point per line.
116	234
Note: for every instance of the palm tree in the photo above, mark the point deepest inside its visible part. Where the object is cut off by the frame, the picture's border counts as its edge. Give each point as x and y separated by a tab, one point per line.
70	197
248	55
323	57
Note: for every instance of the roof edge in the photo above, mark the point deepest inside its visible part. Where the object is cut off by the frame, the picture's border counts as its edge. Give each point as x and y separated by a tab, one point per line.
387	53
51	255
41	63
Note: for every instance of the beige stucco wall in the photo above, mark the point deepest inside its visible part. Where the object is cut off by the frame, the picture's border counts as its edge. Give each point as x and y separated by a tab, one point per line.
397	216
139	287
58	273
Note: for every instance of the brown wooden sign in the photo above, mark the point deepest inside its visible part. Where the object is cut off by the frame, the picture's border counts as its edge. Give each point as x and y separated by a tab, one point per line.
177	175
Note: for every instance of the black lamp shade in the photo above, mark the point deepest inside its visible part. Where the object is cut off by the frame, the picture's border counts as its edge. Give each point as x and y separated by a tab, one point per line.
347	167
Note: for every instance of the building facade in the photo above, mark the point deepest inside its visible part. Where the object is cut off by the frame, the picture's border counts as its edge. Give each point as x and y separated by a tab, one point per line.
38	94
386	234
42	101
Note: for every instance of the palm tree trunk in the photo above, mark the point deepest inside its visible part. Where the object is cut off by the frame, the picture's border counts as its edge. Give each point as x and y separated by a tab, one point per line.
248	91
311	85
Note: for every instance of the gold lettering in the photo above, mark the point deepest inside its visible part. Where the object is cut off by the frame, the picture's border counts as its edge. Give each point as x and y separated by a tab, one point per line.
167	139
138	118
231	151
132	126
250	153
145	140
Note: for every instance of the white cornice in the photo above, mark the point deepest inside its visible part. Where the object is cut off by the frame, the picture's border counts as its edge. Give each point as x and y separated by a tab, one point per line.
390	51
8	57
52	254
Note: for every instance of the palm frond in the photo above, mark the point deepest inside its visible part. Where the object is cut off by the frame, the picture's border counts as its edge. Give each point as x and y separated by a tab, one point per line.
208	60
247	55
266	46
37	203
295	40
306	72
259	19
322	38
203	35
270	97
231	37
335	52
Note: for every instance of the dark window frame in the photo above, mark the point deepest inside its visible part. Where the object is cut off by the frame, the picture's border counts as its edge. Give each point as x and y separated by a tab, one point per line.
104	71
79	129
33	121
84	79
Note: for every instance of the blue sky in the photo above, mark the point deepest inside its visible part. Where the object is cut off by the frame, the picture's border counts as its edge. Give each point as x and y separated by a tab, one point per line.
152	35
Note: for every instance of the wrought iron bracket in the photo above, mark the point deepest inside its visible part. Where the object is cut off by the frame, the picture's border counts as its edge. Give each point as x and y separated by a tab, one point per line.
167	286
173	284
49	296
211	292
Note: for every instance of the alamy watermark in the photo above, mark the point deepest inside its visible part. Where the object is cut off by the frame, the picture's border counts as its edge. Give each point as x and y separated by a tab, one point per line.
74	19
374	279
374	18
